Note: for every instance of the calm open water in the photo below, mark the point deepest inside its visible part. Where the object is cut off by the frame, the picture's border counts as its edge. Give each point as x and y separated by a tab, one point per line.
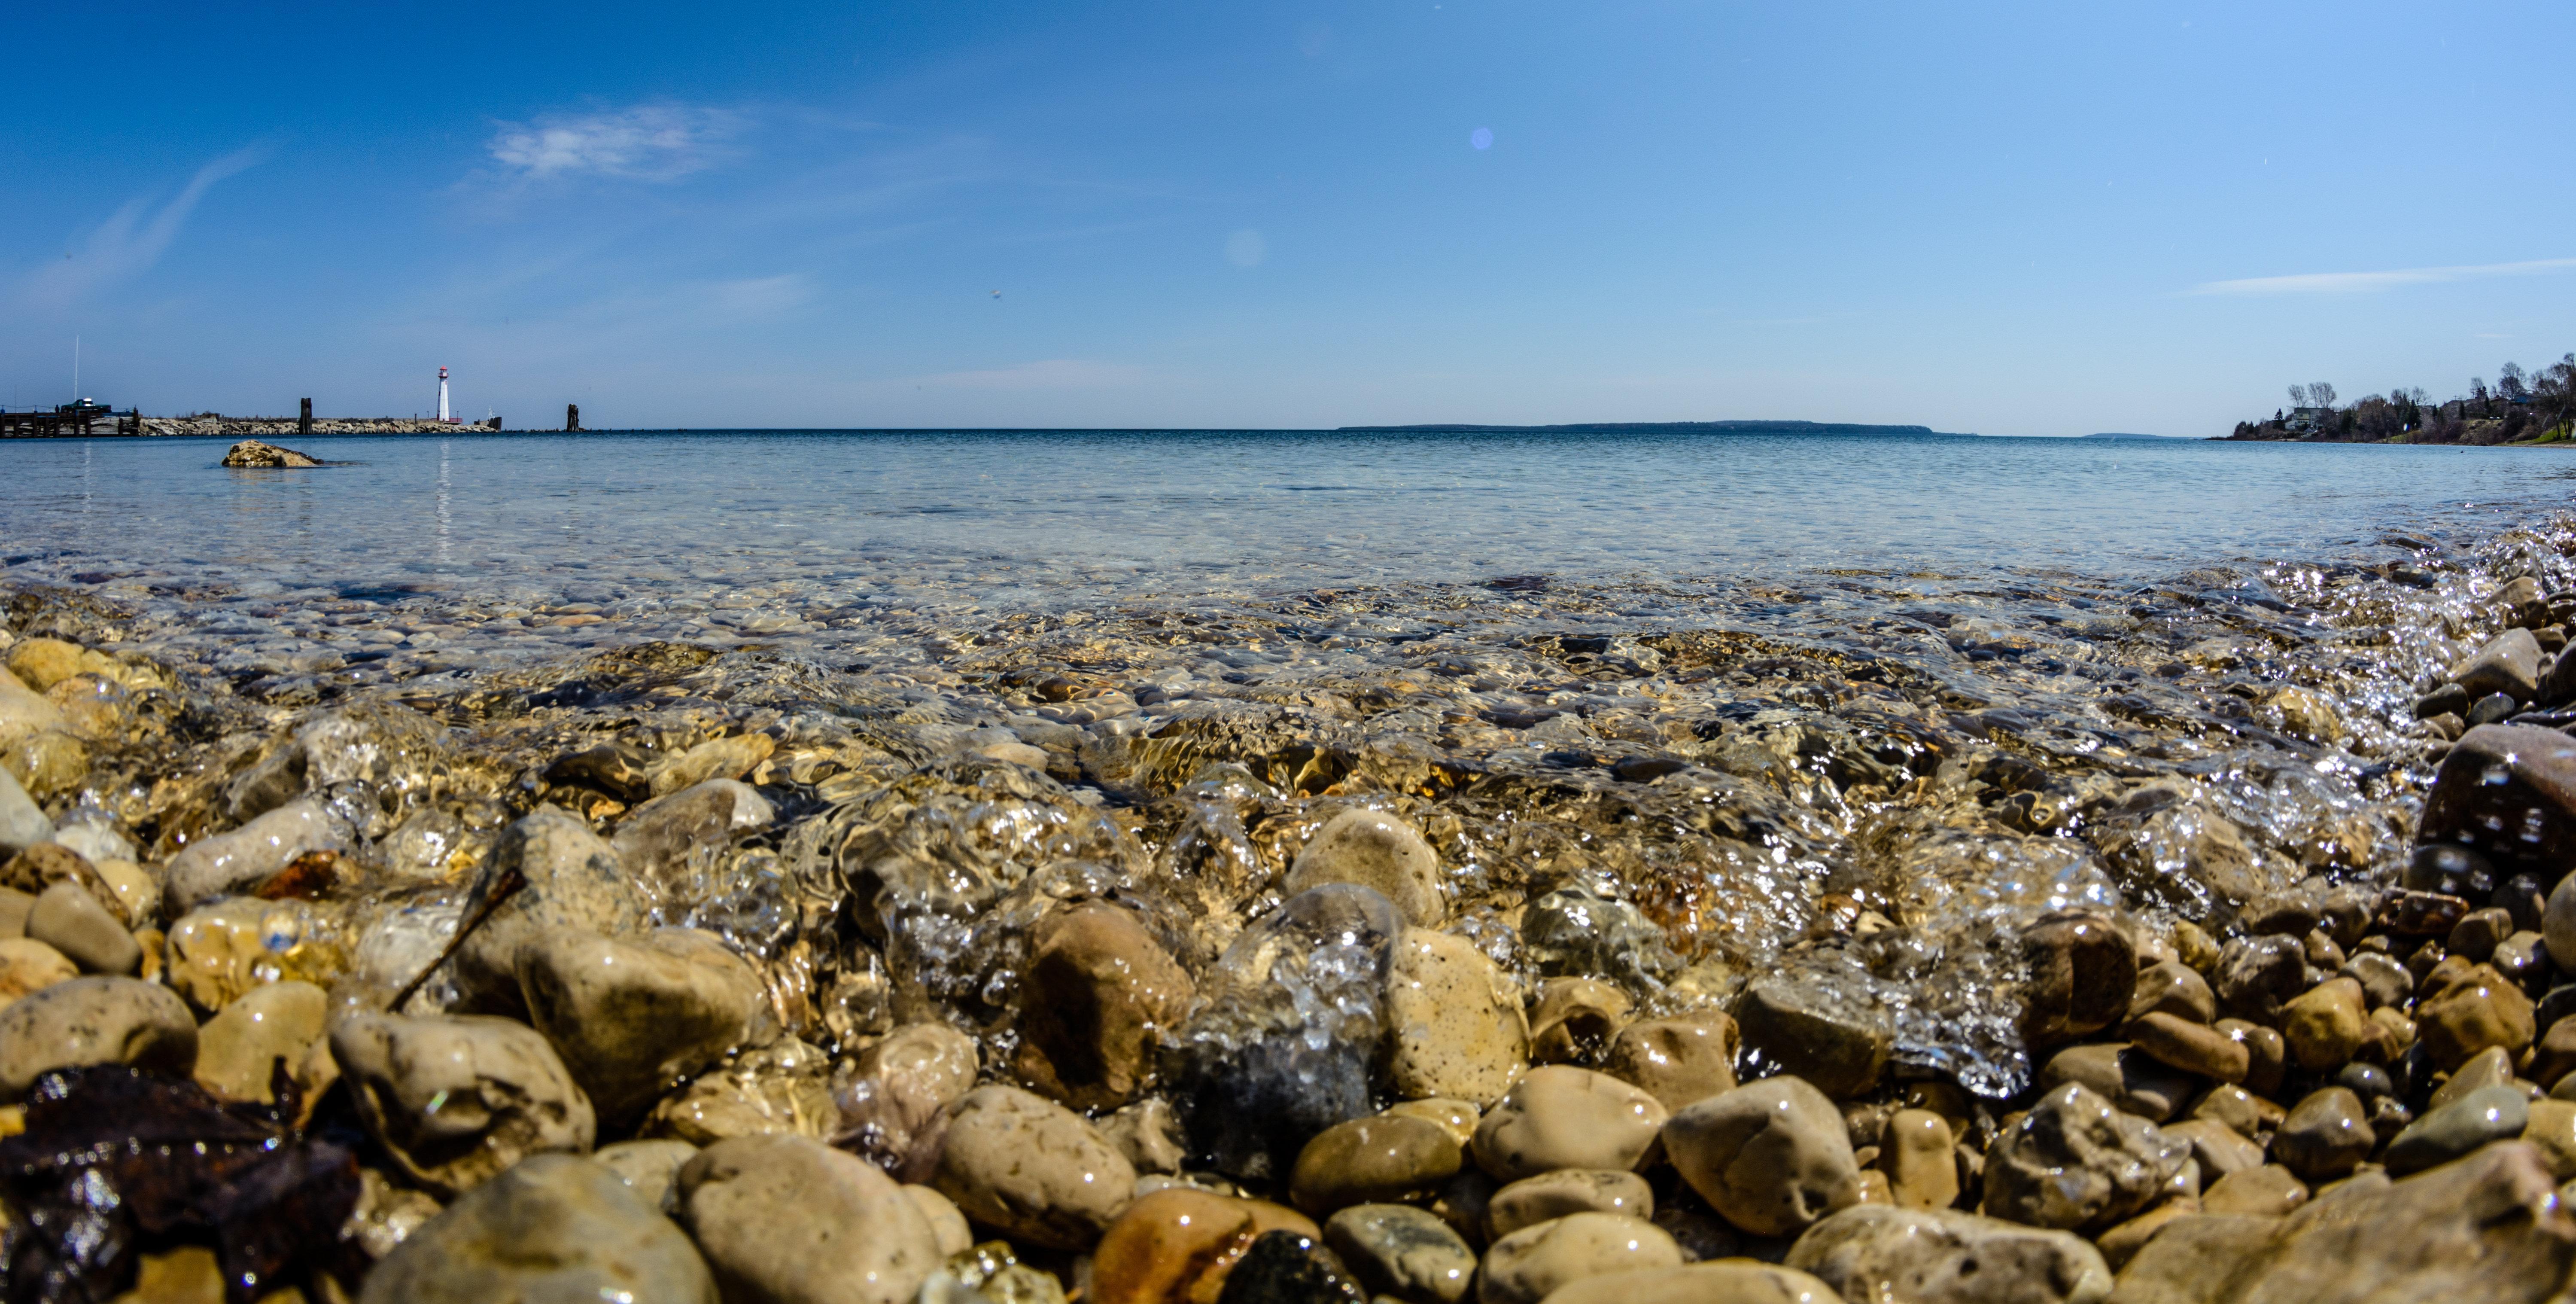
1038	519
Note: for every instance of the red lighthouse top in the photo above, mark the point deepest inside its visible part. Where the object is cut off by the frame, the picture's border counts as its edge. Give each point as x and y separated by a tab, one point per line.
442	373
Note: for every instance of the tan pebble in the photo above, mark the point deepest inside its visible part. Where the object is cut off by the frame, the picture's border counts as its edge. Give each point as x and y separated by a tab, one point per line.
14	907
1374	850
947	1225
2219	1148
1771	1156
1680	1060
789	1218
1024	1164
2267	1055
2553	1130
1175	1246
1526	1266
2191	1047
1916	1156
2173	988
1575	1019
2325	1025
1103	999
2482	1009
239	1048
1456	1021
2249	1115
2269	1191
2122	1243
1456	1117
1564	1117
1534	1200
27	965
98	1020
1381	1160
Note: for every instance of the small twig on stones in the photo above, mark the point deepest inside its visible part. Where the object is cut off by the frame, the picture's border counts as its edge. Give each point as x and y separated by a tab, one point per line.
503	889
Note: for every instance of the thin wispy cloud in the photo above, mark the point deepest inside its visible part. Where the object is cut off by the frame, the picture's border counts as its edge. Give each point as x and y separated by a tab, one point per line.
132	239
2372	282
651	142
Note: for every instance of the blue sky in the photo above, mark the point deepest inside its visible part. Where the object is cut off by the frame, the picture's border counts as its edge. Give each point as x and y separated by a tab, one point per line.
2012	219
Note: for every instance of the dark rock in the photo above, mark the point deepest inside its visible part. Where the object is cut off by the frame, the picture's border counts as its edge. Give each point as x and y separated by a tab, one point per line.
2524	897
1284	1267
2419	914
2455	1129
2325	1135
1572	933
2367	1081
1835	1035
2478	933
2450	869
2490	709
617	769
2083	968
2255	975
2449	699
2294	913
2509	791
2130	1078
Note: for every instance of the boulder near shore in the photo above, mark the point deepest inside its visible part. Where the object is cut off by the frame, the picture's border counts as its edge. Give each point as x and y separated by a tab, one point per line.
253	453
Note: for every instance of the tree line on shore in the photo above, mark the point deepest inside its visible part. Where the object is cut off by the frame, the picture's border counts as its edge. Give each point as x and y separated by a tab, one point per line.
2521	407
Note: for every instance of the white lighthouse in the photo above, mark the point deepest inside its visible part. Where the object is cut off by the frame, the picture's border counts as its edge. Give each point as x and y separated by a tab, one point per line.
442	394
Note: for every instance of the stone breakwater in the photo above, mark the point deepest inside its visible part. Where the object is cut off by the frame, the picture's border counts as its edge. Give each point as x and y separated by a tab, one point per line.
1898	938
239	427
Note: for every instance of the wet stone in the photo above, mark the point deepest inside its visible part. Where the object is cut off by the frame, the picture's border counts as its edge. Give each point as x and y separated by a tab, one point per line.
1283	1267
101	1020
1032	1168
2455	1129
236	862
1771	1156
2383	980
2083	969
2483	1009
1402	1251
1575	1018
2492	1067
1565	1117
1534	1200
1528	1265
552	1228
2077	1162
632	1018
647	1167
239	1049
1679	1060
897	1087
1455	1019
1102	997
2171	987
789	1220
1179	1244
2267	1191
780	1089
1382	1160
1948	1256
2256	975
22	822
2219	1148
30	966
2130	1078
1375	850
1836	1038
2190	1047
2479	933
2509	664
2325	1135
456	1099
1732	1281
1916	1153
2326	1025
2509	792
67	918
571	880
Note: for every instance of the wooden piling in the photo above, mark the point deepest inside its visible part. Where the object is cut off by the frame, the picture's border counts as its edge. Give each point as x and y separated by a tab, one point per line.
572	416
304	421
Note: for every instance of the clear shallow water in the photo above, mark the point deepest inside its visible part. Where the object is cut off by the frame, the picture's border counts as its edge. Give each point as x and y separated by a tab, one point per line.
1042	520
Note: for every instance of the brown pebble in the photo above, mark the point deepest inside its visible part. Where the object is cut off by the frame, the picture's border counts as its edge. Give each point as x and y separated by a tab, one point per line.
1175	1246
2483	1009
2191	1047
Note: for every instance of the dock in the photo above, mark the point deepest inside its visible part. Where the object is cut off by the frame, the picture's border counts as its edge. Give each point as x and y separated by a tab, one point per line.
70	421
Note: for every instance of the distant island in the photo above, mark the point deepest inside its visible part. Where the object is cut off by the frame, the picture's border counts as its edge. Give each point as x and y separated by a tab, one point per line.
1660	428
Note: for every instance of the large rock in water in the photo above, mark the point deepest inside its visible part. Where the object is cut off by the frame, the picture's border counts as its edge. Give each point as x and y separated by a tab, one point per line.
2508	790
2488	1227
252	453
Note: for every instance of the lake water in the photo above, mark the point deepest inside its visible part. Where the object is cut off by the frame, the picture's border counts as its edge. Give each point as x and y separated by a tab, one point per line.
1044	519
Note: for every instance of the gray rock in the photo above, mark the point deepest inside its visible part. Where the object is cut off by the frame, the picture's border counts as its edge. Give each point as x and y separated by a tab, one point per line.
236	862
1948	1256
22	822
1530	1264
2455	1129
101	1020
67	918
2489	1227
553	1230
2384	981
2134	1081
1377	851
632	1018
2508	664
458	1098
1402	1251
2076	1162
1771	1156
1533	1200
1560	1116
573	881
2256	976
789	1220
896	1089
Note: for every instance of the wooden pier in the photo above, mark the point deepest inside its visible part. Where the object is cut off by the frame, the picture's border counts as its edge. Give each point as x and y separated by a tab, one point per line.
70	421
